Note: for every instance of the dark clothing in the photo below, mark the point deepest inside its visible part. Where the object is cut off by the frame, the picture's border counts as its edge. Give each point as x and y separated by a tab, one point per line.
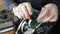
36	4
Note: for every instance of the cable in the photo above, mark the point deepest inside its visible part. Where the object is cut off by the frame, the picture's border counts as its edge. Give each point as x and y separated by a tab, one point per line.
23	25
19	26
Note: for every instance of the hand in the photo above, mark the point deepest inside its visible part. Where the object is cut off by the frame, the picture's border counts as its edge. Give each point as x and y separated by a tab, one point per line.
48	13
24	10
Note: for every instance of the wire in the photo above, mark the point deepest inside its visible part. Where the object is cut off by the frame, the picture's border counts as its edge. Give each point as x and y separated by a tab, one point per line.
19	26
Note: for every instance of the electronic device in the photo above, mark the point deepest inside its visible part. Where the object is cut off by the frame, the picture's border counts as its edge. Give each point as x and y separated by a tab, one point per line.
6	23
31	26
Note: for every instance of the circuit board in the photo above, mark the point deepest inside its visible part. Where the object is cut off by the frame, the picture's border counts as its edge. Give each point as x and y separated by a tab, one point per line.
34	27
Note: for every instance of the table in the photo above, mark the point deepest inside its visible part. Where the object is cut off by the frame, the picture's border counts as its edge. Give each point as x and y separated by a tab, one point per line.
10	32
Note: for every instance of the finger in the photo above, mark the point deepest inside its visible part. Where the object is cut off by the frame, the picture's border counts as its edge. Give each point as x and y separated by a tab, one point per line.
55	17
43	14
29	7
20	11
51	7
42	10
54	20
54	11
56	14
50	17
15	12
48	14
24	10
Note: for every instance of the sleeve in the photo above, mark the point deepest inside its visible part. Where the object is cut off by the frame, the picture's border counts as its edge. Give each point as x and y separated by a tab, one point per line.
56	2
9	4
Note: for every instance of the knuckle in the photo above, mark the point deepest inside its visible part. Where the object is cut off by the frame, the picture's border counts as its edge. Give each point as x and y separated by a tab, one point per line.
51	5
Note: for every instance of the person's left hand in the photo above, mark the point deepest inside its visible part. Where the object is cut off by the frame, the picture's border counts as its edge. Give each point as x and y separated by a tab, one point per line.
48	13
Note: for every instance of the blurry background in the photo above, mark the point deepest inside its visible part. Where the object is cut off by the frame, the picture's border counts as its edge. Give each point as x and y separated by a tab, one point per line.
1	5
1	9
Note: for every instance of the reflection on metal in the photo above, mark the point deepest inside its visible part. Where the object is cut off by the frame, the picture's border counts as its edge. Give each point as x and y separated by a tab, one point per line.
7	29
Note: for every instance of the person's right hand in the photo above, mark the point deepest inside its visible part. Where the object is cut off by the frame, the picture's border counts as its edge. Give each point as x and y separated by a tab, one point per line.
23	10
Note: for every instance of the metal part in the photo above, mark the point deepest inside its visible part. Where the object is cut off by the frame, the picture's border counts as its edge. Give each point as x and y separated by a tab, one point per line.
5	21
30	31
4	16
19	26
32	26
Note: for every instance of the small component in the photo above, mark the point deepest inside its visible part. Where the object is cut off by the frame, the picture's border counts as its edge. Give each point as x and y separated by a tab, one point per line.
31	26
30	31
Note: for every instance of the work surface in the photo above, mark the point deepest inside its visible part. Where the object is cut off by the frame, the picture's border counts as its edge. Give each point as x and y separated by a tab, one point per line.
10	32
